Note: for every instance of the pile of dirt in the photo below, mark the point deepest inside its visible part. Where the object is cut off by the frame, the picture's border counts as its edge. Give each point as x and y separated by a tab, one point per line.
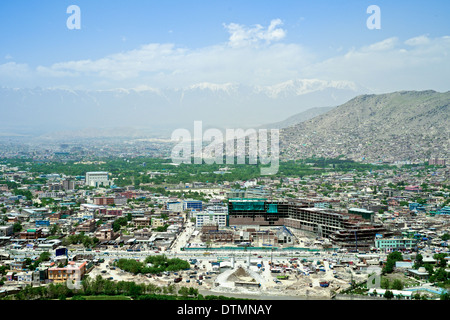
240	275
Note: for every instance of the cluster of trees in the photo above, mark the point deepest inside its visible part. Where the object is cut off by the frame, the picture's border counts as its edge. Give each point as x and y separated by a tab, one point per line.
17	227
152	264
92	287
80	238
32	265
391	259
396	284
121	222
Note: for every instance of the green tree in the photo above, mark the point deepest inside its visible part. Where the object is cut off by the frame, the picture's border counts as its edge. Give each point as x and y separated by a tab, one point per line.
17	227
418	261
440	257
388	294
390	262
444	296
184	292
397	284
388	267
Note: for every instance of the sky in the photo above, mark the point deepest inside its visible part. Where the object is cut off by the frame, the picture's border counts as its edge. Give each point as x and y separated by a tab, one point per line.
180	43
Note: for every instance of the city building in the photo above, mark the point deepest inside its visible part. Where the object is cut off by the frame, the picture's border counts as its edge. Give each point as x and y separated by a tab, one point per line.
68	184
31	234
210	217
97	179
366	214
195	205
396	243
6	230
350	231
211	233
142	222
246	211
106	234
72	270
87	226
103	201
158	222
250	193
436	162
174	206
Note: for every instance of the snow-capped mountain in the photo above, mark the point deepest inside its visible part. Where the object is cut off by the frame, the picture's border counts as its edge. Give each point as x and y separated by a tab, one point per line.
228	105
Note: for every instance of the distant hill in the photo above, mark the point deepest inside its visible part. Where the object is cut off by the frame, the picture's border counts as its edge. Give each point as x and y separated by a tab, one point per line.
297	118
406	125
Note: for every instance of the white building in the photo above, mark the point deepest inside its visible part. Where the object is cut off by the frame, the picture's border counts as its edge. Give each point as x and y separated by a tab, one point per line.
96	179
397	293
210	217
176	206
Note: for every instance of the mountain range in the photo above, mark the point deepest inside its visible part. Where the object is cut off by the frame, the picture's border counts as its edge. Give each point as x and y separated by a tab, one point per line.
147	111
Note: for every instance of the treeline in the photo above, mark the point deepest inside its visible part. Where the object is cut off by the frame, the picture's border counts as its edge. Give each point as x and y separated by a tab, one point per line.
133	171
152	264
104	287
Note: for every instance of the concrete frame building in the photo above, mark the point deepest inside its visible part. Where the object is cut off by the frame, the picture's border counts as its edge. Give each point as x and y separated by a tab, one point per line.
347	230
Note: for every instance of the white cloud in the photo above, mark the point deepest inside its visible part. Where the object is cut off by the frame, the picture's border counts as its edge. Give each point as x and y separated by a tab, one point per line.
244	36
384	45
418	41
253	55
14	70
417	64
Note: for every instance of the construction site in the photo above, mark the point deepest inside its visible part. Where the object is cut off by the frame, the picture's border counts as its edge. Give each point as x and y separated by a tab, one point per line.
307	279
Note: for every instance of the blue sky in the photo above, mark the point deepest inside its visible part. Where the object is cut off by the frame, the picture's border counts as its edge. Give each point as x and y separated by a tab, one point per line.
184	42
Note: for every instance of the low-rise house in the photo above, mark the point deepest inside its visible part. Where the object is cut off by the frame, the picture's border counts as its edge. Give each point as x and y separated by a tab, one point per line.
142	222
31	234
106	234
6	230
158	222
87	226
28	276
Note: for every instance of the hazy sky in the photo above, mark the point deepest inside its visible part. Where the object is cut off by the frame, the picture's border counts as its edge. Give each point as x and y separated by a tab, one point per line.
145	43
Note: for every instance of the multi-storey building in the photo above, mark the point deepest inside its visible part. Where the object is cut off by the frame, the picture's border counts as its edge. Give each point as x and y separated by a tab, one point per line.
261	212
97	179
6	230
396	243
210	217
87	226
195	205
106	234
103	201
31	234
68	184
347	230
74	271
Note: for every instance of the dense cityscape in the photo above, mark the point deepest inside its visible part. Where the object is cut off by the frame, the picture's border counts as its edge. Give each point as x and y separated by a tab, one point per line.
319	229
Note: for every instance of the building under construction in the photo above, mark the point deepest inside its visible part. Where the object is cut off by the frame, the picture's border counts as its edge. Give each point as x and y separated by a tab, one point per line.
345	230
260	212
